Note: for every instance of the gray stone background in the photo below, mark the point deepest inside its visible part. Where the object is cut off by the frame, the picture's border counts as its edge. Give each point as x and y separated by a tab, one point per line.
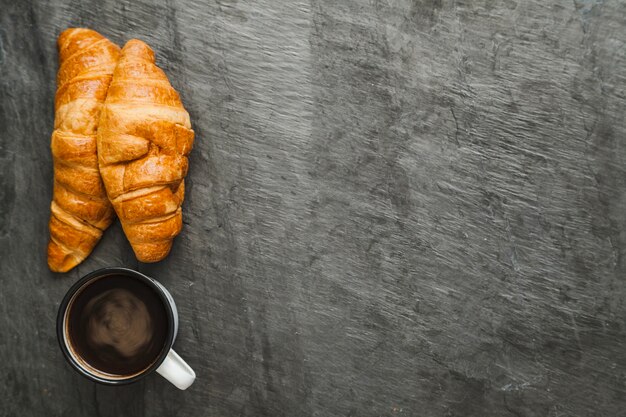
394	208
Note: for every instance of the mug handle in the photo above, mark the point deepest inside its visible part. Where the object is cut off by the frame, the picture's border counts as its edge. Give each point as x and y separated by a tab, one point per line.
176	370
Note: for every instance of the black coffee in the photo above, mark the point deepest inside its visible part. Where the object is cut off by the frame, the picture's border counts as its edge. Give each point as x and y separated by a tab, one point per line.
118	325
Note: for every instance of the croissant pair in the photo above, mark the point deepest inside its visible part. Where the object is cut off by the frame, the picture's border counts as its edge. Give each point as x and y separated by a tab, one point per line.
120	144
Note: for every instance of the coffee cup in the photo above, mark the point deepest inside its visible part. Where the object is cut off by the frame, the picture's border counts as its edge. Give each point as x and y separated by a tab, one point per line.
115	326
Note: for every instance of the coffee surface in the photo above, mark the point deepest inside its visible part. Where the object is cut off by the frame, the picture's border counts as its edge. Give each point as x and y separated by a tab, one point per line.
118	325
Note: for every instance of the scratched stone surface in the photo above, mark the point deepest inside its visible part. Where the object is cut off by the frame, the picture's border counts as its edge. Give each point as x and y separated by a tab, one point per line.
394	208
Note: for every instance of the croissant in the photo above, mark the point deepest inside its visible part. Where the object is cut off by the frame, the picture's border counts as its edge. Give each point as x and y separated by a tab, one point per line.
80	210
144	138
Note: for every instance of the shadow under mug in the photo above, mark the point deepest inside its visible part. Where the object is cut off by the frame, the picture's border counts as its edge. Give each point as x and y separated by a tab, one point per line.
168	364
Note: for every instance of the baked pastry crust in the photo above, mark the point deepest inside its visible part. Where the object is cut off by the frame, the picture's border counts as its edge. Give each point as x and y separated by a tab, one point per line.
80	209
144	138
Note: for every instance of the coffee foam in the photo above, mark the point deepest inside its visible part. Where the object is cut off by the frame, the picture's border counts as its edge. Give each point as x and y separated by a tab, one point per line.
120	320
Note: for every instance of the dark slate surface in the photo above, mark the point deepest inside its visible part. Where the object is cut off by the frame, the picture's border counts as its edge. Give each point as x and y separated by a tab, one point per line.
394	208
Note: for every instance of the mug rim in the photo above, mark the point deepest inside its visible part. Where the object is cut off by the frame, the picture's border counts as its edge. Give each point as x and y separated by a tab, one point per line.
100	273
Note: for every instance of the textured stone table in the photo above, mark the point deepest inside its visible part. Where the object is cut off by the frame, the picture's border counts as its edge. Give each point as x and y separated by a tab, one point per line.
394	208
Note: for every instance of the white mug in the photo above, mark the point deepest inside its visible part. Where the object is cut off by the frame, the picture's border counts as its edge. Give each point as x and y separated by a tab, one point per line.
168	364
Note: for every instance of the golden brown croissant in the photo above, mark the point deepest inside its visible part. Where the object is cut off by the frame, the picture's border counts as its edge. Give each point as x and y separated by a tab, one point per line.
144	138
80	210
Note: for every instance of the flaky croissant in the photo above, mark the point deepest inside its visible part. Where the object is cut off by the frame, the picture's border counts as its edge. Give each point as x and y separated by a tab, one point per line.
144	138
80	210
